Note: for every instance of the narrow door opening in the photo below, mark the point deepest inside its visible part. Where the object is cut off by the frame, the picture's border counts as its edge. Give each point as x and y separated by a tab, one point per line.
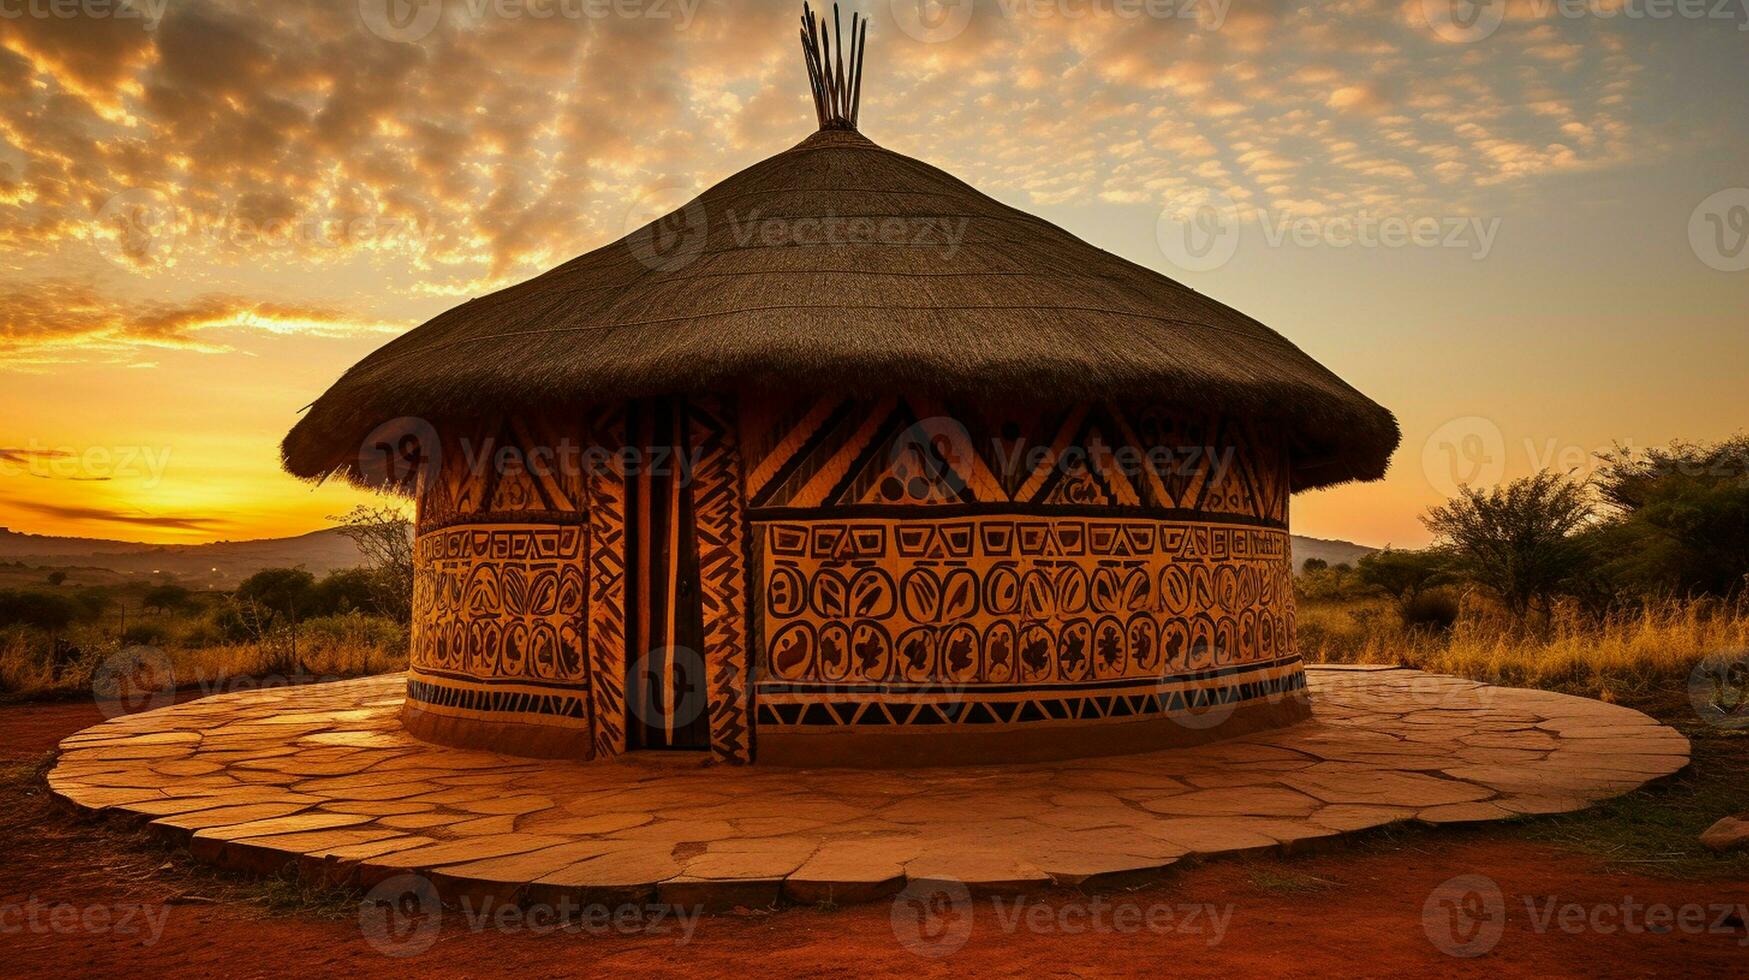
665	682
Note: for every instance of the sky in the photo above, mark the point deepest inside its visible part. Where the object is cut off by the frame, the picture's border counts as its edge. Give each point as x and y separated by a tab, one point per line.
1521	226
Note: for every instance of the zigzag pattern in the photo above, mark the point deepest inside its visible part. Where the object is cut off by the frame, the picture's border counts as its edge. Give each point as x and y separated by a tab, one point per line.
911	454
607	587
716	502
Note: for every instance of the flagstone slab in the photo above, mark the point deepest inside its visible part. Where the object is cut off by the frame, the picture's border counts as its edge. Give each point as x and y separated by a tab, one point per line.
323	777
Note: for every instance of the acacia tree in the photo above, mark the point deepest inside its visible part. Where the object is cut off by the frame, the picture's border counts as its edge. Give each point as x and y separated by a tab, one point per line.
1518	540
1404	575
384	537
167	598
1680	518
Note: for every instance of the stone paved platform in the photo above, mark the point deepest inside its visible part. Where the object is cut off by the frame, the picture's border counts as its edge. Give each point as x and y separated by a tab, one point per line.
324	777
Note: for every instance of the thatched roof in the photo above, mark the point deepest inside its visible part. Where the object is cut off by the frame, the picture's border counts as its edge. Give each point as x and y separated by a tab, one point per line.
773	281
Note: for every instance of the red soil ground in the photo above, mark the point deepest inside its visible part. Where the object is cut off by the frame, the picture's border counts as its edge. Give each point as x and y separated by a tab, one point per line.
1356	911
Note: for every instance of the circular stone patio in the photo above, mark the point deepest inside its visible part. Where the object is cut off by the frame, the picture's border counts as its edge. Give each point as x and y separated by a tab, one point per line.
323	777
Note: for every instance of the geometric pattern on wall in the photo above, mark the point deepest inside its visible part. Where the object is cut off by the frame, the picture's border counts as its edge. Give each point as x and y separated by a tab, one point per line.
971	707
501	602
722	568
831	453
606	496
1033	601
511	472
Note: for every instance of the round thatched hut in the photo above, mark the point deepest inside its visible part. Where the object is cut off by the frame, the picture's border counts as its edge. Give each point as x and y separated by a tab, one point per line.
847	463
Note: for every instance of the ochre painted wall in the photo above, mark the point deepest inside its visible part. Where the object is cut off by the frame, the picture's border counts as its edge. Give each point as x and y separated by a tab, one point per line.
870	572
927	573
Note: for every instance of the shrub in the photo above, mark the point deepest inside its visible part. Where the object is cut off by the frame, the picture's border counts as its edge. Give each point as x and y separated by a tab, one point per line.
42	610
1403	575
1436	611
202	634
167	598
146	635
344	591
286	592
92	601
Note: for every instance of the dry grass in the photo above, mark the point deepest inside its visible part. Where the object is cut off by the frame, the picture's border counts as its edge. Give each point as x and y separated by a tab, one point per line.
335	647
1634	658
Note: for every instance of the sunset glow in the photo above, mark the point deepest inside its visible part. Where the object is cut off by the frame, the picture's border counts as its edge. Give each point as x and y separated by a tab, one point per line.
1524	243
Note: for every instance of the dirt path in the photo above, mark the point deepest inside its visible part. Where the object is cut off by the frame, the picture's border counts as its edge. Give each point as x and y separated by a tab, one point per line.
81	900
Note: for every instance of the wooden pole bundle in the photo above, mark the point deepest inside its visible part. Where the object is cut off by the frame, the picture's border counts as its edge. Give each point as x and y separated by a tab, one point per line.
837	87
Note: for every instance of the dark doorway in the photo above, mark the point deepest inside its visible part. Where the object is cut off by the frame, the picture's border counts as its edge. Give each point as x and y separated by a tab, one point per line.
665	675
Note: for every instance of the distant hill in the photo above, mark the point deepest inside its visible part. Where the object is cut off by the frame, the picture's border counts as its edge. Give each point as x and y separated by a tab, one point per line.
216	564
1334	552
320	552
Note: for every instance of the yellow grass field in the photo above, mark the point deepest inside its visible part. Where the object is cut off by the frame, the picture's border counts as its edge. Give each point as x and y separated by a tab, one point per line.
1638	658
328	649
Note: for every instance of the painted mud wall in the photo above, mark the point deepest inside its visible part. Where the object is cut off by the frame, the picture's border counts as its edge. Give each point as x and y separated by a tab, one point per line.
864	568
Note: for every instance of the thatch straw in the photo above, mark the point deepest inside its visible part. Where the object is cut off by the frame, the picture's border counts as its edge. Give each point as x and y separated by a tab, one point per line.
1016	309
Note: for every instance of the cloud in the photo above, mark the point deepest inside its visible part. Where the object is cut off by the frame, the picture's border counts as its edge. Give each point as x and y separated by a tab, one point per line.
133	519
27	456
50	321
507	144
